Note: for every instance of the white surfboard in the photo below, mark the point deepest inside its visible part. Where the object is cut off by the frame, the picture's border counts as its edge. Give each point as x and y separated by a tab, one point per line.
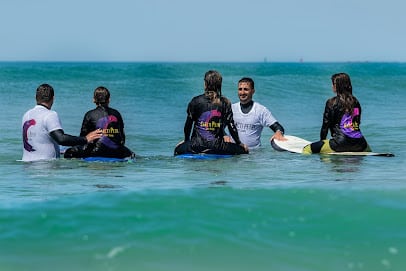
364	153
296	144
292	144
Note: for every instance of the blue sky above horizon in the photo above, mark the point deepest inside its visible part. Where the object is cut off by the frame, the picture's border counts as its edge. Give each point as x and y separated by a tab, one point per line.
206	31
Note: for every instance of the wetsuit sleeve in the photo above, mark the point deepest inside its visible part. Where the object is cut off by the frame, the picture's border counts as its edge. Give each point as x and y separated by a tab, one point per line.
121	121
230	123
86	124
326	122
276	126
188	128
67	140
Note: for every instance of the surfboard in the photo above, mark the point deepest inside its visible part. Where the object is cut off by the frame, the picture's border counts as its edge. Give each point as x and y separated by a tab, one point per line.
203	156
296	144
292	144
106	159
386	154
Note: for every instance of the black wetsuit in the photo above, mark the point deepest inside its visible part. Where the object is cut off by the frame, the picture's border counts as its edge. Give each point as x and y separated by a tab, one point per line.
344	128
208	121
111	144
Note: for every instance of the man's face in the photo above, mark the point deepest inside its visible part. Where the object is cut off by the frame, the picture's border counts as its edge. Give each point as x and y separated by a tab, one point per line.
245	92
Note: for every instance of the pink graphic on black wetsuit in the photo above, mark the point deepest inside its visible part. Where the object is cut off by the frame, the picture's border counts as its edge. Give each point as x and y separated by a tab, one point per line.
26	126
349	127
107	124
207	125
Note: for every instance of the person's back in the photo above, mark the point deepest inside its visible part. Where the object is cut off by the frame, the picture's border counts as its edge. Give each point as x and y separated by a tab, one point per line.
37	123
344	126
208	120
42	129
107	119
207	115
342	117
110	122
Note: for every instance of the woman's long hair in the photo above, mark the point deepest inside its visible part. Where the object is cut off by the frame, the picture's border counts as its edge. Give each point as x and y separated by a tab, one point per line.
212	82
343	87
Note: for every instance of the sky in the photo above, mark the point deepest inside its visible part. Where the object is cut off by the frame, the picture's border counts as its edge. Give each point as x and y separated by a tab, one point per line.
203	30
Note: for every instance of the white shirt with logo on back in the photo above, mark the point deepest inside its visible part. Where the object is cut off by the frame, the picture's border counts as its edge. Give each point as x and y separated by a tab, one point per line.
37	124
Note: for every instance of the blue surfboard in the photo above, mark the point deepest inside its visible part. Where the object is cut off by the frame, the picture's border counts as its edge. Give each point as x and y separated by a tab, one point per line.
203	156
106	159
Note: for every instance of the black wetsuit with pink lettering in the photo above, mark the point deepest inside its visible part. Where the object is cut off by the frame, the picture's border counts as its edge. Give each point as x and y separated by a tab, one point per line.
208	120
111	144
344	127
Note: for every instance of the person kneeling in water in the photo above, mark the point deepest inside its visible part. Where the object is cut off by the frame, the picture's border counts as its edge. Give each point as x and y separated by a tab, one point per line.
107	119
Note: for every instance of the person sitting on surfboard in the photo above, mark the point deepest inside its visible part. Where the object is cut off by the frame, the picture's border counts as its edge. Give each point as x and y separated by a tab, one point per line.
251	117
42	130
208	114
109	120
342	116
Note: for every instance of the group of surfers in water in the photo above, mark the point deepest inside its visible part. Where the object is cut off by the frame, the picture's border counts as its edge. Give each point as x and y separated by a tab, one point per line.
208	117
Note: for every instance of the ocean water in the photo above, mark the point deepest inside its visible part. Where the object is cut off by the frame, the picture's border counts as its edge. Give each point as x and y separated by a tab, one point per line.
264	211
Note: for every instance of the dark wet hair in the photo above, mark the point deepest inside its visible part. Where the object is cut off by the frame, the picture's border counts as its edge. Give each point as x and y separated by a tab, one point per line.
343	87
342	82
44	94
213	80
101	95
247	80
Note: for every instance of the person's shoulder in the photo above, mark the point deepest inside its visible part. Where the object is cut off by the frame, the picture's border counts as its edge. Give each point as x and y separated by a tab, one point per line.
332	98
331	101
116	112
225	100
91	111
198	98
260	106
235	106
50	112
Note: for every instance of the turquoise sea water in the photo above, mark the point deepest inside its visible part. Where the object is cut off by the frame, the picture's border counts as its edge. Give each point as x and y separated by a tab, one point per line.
264	211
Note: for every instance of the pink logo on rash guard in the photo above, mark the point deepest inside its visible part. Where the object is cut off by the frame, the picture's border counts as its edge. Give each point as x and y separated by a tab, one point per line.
108	132
349	127
207	124
26	126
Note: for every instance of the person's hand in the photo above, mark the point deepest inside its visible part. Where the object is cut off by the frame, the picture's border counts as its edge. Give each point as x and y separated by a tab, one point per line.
96	134
227	138
278	136
244	146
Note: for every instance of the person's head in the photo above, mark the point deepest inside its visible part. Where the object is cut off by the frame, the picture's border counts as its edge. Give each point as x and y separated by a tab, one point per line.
343	88
45	95
101	96
212	84
246	90
341	83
